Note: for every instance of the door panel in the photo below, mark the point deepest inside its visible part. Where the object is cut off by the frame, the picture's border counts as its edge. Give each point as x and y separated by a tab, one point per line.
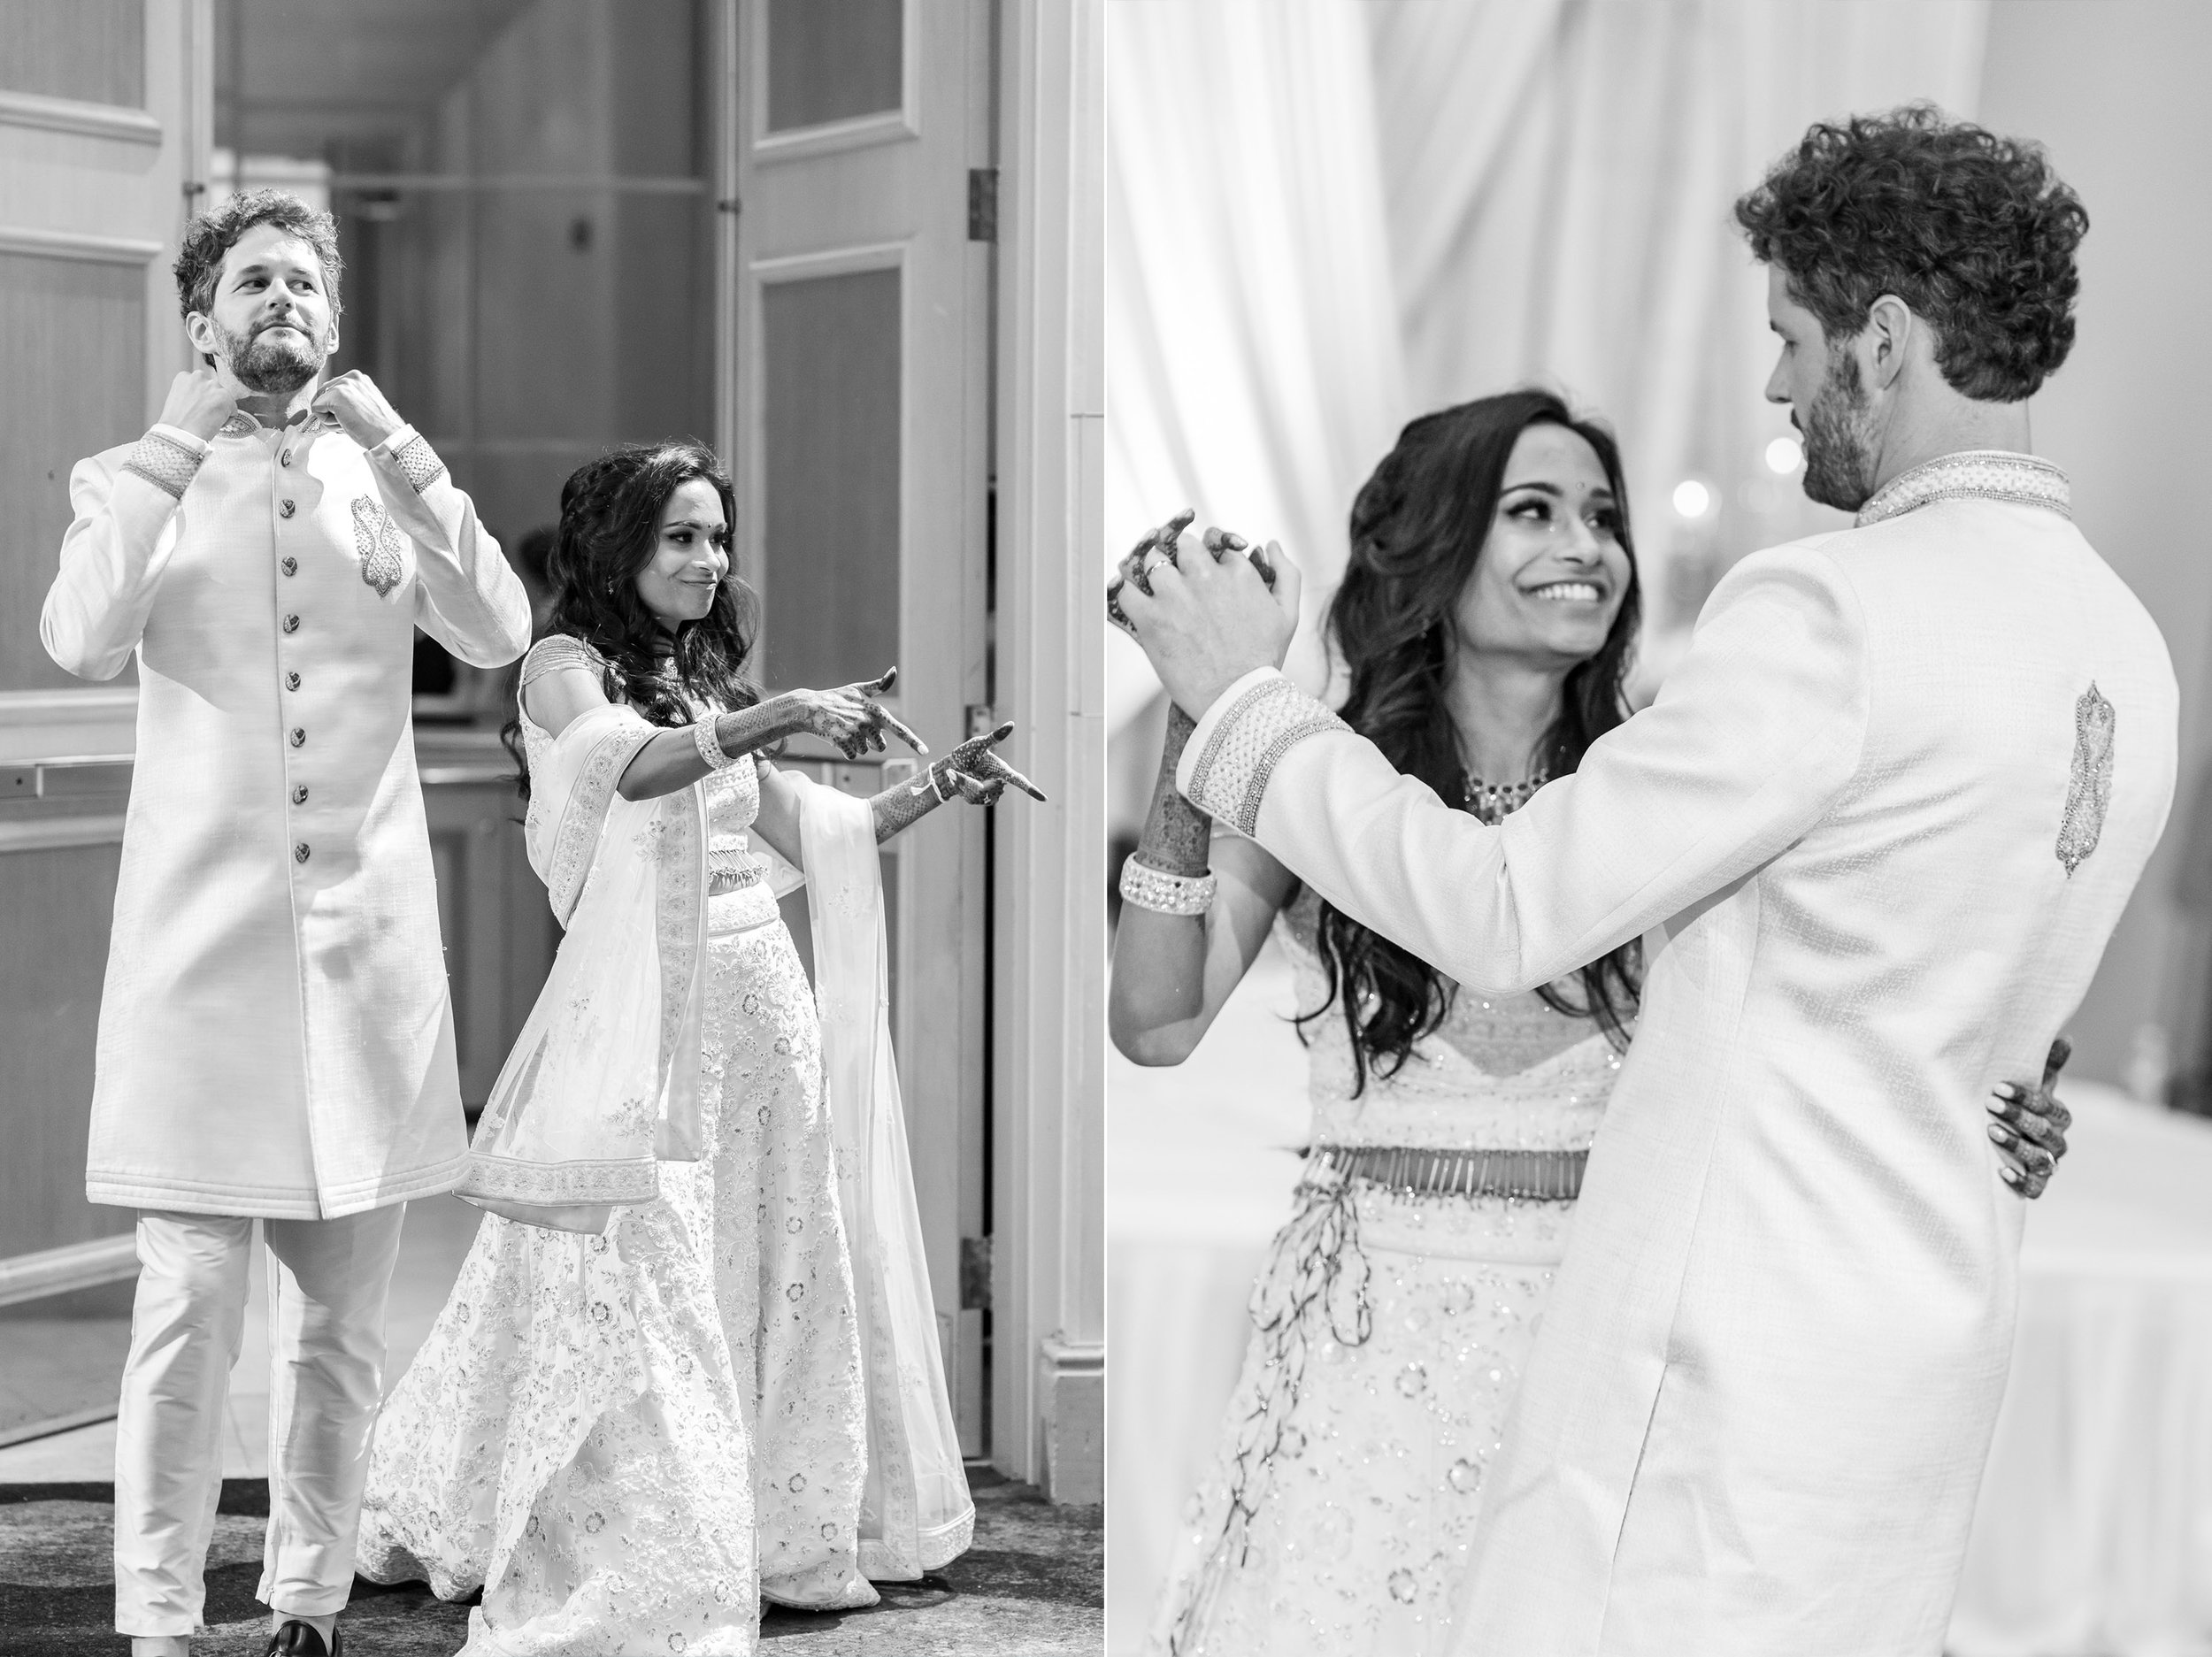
831	367
103	111
75	333
857	426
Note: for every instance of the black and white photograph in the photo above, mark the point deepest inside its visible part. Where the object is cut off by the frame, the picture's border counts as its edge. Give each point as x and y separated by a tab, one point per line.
730	727
551	846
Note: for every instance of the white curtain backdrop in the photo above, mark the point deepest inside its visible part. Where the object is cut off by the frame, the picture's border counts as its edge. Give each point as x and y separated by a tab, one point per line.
1253	366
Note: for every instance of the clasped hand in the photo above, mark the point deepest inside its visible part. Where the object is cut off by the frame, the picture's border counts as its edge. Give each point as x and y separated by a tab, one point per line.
1205	623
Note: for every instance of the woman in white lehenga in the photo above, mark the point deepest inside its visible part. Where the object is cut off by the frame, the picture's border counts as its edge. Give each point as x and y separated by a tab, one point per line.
1487	617
689	1364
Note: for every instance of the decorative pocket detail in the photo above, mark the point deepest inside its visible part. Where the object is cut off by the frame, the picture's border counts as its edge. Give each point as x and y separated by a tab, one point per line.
381	545
2089	790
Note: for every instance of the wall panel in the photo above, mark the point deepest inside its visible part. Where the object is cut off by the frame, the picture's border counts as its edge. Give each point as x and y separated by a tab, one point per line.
93	50
76	354
60	901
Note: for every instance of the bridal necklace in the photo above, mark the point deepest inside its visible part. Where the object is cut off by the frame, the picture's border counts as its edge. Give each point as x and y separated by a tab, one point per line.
1493	802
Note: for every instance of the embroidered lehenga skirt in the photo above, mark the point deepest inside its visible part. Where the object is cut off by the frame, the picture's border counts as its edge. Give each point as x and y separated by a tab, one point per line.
629	1440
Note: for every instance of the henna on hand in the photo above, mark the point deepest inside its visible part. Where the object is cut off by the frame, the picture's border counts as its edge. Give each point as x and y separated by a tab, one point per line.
1178	836
973	772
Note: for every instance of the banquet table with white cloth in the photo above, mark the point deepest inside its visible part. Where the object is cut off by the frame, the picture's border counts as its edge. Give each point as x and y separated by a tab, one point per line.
2094	1536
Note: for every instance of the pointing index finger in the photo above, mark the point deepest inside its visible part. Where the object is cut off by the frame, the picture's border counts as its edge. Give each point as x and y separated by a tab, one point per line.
900	730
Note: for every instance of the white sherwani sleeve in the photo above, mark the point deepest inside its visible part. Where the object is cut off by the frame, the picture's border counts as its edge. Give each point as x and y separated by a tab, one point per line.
1758	729
112	560
466	597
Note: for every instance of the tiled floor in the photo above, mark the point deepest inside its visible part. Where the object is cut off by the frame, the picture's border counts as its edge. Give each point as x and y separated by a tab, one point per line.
433	1242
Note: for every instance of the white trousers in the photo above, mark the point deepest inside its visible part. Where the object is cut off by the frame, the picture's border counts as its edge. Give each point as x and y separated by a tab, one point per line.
328	1283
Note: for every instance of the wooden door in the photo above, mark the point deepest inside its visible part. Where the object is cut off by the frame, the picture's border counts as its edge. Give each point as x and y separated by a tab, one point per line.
856	311
103	113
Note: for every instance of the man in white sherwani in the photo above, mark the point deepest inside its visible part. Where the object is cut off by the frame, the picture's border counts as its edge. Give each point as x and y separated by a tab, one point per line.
275	1038
1886	813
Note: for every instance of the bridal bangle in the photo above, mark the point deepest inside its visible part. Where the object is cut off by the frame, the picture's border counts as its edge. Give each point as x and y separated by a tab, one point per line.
708	743
1164	893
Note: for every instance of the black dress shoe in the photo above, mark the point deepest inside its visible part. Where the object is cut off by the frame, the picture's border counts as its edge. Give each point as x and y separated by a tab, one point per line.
299	1639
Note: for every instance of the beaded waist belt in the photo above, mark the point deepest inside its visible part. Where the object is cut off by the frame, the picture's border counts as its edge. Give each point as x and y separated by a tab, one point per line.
1415	1171
726	871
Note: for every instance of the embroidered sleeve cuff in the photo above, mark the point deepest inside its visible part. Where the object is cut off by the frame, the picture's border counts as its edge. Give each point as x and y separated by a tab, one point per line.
168	458
182	438
1234	751
410	450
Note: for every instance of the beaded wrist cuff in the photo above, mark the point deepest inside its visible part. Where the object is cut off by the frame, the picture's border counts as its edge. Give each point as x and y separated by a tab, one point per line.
708	742
1164	893
418	463
165	463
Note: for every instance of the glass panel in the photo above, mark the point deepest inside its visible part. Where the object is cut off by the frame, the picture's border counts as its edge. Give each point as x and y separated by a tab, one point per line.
830	60
91	50
525	221
78	357
830	427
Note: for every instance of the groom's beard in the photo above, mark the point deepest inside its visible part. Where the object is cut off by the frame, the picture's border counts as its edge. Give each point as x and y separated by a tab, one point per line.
272	364
1840	439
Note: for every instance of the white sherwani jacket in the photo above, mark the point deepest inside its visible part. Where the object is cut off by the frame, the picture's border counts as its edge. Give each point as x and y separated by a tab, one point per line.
275	1034
1887	811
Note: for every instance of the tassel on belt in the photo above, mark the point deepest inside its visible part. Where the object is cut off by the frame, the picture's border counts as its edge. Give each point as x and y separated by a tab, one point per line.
1413	1171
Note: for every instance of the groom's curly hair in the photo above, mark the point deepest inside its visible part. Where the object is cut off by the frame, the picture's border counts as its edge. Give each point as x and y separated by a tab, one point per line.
1974	232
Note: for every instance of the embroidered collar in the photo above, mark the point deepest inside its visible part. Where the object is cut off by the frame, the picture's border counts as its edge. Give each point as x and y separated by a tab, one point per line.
1985	474
243	424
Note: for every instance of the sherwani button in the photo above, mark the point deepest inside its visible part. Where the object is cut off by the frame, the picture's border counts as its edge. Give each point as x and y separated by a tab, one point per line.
298	736
299	853
285	509
291	624
290	566
291	681
299	795
285	459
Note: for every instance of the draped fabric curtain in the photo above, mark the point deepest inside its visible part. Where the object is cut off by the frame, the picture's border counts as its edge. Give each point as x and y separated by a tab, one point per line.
1253	366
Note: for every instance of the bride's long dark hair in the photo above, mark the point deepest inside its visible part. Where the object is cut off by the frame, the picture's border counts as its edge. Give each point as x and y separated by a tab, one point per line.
1419	525
610	528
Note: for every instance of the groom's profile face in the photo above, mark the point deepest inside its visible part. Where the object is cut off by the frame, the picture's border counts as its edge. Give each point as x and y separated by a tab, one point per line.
1828	400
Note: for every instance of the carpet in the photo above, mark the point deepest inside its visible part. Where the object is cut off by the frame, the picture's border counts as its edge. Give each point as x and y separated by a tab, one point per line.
1032	1585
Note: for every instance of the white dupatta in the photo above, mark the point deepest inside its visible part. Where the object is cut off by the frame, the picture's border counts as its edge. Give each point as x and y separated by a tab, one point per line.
915	1514
602	1083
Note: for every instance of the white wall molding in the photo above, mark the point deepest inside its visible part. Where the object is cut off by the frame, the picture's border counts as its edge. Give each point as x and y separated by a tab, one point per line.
46	724
72	1266
77	244
74	115
1050	1069
46	834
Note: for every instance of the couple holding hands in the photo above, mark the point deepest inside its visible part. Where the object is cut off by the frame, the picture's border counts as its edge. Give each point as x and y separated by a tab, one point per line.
691	1363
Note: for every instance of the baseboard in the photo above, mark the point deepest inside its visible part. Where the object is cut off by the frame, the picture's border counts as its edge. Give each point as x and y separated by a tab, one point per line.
1072	1418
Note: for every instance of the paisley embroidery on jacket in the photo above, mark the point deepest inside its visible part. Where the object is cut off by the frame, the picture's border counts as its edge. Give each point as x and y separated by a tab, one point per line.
2090	790
377	539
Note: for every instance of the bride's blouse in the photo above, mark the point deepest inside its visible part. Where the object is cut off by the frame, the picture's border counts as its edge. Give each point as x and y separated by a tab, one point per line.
1505	1073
